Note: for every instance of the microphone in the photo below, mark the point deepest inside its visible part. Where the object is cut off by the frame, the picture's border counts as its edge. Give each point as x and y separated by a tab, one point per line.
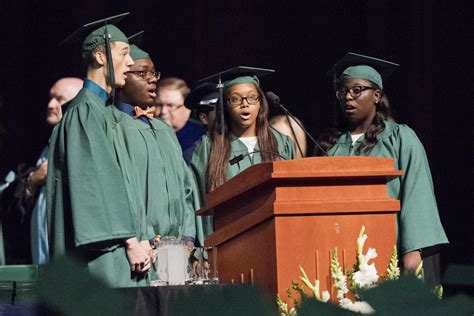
239	158
275	100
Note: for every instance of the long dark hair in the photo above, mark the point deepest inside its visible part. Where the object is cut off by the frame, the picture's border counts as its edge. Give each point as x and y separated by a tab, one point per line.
330	136
219	155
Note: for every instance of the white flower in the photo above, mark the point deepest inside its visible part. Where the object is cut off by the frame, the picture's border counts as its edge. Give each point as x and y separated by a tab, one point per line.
341	285
314	288
360	243
340	280
371	254
358	306
366	276
325	297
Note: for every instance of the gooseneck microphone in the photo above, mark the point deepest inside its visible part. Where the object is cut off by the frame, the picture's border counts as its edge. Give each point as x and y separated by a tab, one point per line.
275	100
239	158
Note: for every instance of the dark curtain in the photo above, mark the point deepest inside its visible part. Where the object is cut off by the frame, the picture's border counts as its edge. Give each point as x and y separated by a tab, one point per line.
300	39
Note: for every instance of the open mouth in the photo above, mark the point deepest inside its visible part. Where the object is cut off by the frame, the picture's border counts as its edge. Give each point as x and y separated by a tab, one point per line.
349	109
245	115
152	93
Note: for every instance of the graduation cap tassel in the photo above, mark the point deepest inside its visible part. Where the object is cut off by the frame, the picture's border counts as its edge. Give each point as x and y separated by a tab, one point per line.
110	64
220	86
334	89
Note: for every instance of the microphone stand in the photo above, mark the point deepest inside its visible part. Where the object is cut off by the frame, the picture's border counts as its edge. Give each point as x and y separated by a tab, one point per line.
276	100
294	134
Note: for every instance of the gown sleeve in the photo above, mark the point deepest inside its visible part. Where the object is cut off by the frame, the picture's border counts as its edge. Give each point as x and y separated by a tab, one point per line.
286	146
198	167
189	204
85	184
420	225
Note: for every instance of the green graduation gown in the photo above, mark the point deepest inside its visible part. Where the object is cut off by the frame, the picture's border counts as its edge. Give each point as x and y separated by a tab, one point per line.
89	210
419	225
162	184
200	158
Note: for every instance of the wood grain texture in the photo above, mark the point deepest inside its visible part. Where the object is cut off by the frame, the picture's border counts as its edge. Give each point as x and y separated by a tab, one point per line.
273	217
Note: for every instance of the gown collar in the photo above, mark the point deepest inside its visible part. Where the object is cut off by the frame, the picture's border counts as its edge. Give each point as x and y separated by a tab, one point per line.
96	89
130	110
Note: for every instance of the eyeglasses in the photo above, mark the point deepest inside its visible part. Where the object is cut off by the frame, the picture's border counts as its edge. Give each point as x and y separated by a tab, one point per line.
354	91
172	107
146	75
238	100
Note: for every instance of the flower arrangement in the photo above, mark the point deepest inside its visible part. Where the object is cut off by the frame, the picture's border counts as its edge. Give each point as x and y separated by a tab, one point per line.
362	276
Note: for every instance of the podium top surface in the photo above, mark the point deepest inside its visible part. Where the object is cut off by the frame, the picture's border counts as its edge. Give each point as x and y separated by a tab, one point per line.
305	169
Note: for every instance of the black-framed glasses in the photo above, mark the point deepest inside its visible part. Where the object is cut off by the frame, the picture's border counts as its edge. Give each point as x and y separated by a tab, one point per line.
354	91
146	74
238	100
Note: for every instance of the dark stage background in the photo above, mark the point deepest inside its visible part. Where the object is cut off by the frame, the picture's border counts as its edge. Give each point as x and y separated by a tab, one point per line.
431	92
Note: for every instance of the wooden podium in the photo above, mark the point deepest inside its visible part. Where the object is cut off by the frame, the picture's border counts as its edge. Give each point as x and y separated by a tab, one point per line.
273	217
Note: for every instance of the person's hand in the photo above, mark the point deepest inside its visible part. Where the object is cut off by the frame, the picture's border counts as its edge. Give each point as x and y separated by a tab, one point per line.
411	261
198	270
137	256
190	246
38	177
145	244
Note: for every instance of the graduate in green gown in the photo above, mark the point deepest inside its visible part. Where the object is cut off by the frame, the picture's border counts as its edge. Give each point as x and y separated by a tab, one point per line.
90	214
362	129
162	185
239	137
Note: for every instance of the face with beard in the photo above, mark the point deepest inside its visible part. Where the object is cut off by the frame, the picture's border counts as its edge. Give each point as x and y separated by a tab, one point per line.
140	85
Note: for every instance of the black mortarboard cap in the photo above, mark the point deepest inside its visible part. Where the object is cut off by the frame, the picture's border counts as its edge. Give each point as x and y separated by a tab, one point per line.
383	68
135	51
87	32
232	76
204	95
235	72
136	39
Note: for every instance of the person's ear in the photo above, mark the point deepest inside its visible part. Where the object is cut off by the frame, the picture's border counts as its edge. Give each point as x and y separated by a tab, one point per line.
203	118
377	96
99	58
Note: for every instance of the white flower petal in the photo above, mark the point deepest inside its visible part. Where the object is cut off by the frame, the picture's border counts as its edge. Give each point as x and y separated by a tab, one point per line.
360	243
366	276
363	308
371	254
326	296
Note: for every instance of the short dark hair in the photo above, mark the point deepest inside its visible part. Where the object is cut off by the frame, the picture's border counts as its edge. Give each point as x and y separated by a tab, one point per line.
88	57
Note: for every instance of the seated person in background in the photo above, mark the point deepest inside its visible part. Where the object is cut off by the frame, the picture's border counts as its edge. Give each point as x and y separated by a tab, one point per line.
169	102
24	219
282	124
202	102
